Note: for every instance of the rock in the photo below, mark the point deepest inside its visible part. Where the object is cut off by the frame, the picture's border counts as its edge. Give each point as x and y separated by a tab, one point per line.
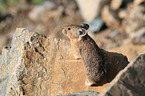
89	9
45	12
4	41
83	93
110	20
37	65
123	13
130	81
137	2
40	66
138	37
11	67
96	25
131	50
115	4
133	17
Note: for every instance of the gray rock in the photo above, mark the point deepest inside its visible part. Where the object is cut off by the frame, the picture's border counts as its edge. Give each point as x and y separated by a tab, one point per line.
130	81
83	93
96	24
11	64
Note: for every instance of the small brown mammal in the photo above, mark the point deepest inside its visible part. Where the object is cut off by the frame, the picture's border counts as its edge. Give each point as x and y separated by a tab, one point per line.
96	60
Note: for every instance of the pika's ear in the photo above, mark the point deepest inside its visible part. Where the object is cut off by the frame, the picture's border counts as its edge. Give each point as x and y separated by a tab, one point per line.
85	26
82	32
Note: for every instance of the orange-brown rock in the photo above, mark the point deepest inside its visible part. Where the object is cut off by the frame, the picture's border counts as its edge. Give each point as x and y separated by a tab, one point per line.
37	65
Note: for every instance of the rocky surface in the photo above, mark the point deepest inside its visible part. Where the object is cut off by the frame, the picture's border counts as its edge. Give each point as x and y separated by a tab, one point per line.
125	34
130	81
11	67
83	93
42	66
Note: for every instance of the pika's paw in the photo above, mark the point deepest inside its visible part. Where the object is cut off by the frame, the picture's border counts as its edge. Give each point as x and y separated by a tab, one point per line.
77	57
88	83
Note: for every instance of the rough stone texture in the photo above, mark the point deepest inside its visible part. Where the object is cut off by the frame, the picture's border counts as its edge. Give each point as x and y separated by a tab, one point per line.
11	65
37	65
130	81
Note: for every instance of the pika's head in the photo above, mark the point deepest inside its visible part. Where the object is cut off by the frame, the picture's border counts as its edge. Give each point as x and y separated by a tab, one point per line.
75	31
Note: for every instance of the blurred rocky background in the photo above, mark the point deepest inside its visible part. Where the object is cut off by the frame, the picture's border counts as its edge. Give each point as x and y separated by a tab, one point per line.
115	25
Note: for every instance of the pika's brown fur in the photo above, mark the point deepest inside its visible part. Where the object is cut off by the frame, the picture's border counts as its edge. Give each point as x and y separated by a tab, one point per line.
96	60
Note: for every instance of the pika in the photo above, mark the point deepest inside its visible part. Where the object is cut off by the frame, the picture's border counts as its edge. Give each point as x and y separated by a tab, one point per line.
96	61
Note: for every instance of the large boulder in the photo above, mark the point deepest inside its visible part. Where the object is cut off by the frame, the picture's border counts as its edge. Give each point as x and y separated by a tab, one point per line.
130	81
37	65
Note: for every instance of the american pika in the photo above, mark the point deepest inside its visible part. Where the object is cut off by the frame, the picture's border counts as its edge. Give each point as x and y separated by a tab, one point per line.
95	60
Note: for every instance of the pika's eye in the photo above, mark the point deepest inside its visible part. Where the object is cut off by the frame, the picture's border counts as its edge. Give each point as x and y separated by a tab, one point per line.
68	28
